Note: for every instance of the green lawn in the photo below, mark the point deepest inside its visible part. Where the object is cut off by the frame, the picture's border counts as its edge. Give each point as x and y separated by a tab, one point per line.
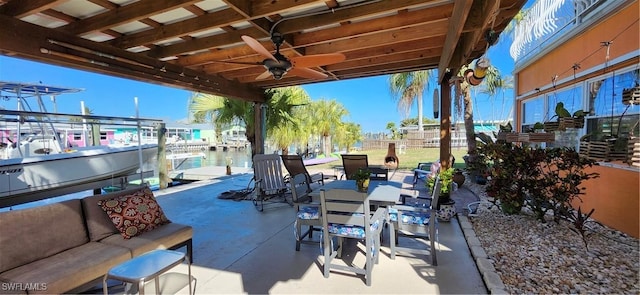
408	160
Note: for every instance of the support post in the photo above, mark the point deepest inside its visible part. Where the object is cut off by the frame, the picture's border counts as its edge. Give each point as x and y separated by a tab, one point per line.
259	127
163	173
445	122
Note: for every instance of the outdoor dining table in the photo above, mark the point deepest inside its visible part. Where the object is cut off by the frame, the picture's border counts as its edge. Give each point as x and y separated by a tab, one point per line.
380	193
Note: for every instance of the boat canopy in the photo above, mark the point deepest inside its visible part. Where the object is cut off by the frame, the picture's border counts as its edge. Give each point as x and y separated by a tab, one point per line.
26	89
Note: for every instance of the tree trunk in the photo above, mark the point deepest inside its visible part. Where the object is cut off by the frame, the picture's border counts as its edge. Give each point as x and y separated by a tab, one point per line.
326	145
468	120
420	115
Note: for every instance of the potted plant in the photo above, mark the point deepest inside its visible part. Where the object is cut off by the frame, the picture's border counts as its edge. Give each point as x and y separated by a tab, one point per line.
445	206
362	179
538	127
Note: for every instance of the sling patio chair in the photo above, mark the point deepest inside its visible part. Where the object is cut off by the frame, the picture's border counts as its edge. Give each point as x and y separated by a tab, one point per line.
352	163
307	211
419	222
346	215
270	183
295	165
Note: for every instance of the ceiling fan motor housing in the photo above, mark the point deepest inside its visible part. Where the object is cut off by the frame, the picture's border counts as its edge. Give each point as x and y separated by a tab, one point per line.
279	67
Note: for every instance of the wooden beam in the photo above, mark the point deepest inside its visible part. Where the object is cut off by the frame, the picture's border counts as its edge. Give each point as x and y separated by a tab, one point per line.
482	12
456	24
220	54
124	14
193	25
394	22
29	46
22	8
358	12
241	7
385	59
379	39
265	8
204	43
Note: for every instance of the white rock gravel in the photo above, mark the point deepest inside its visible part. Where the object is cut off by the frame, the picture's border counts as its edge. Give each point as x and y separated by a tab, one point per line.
536	258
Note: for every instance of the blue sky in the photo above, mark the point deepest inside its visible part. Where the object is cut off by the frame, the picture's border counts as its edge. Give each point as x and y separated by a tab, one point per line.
368	100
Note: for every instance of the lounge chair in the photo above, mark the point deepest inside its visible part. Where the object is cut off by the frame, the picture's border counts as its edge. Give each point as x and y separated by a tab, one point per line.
270	183
295	165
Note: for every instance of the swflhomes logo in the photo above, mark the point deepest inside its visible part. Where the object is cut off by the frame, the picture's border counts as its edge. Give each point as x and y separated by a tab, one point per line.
23	287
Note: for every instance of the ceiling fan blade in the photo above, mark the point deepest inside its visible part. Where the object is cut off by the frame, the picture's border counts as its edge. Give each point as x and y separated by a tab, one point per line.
310	61
264	75
255	45
307	73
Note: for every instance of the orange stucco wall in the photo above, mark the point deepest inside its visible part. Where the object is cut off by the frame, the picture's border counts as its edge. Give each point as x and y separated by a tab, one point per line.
581	50
615	196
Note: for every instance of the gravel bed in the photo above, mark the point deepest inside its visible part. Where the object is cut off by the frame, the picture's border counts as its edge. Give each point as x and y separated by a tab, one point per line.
542	258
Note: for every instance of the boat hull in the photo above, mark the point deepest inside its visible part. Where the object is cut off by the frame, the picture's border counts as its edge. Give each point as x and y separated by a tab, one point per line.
24	176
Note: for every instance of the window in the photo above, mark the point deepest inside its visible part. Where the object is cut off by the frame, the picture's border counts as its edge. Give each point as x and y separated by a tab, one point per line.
608	117
571	98
533	111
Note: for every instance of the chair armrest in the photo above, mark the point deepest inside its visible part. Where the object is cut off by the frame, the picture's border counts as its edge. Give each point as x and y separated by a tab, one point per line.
380	215
317	176
411	208
306	199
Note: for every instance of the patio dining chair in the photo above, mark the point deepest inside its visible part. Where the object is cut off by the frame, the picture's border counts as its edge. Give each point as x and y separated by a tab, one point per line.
418	222
352	163
295	165
307	211
346	215
270	183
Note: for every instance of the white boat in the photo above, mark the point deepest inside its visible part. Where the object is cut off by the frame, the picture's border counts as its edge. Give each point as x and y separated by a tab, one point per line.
38	162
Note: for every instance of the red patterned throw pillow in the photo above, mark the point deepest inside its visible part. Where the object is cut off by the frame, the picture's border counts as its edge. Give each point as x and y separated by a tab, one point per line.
134	214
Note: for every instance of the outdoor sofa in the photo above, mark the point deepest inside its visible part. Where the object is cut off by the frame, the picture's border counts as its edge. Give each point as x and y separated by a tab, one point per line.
68	246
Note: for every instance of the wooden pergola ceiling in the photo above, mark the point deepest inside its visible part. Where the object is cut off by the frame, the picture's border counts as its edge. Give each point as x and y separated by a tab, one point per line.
183	43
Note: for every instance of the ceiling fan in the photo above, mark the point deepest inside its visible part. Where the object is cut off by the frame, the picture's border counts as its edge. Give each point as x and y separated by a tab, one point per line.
278	65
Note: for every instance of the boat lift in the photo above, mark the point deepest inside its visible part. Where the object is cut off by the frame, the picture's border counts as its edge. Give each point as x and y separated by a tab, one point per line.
40	120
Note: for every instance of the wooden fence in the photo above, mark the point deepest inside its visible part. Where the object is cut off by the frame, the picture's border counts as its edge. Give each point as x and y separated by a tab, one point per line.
416	139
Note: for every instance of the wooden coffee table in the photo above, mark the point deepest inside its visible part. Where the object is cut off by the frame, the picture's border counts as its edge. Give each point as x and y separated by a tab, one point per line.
146	267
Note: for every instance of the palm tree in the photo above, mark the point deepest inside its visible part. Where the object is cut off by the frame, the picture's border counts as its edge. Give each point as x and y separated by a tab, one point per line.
494	84
392	128
287	117
328	118
463	97
280	102
223	111
407	87
348	134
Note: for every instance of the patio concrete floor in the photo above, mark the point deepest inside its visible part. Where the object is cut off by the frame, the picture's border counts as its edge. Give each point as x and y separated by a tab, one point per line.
238	250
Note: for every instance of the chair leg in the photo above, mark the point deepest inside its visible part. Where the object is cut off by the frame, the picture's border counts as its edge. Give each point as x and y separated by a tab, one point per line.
298	228
327	256
369	263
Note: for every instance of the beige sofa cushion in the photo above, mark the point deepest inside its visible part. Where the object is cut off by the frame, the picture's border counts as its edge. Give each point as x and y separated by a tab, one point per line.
162	237
67	270
31	234
98	222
